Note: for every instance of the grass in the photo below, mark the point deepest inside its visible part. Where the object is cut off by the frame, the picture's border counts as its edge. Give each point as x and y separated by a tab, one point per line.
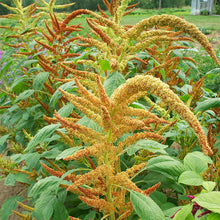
210	23
204	22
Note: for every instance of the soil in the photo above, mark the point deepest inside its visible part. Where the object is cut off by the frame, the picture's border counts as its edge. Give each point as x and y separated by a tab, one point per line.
9	191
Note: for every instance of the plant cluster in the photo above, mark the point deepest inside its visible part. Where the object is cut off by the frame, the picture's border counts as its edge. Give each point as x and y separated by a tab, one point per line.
108	124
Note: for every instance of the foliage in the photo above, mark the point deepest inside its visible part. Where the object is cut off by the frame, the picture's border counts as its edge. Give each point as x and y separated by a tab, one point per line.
115	124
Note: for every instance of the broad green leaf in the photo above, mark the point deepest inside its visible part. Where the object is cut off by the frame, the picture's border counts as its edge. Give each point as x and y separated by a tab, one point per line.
44	205
90	216
3	139
181	75
178	53
60	211
66	110
145	207
18	84
39	80
68	152
6	55
61	195
16	158
6	67
42	135
112	82
29	62
197	161
32	159
9	205
83	206
209	185
143	55
22	178
105	65
36	54
208	104
10	180
191	178
89	123
185	97
165	165
170	211
149	145
172	183
213	216
25	30
51	154
34	69
138	105
158	197
24	95
184	213
42	185
57	94
214	71
210	201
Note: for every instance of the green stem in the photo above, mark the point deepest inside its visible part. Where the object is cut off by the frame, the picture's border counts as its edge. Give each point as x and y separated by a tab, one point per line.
109	188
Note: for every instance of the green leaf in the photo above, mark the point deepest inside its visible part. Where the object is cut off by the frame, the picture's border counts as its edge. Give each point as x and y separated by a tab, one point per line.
42	135
191	178
18	84
3	139
145	207
208	104
112	82
51	154
184	213
42	185
170	211
60	211
34	69
25	30
9	205
36	54
165	165
39	80
24	95
172	183
6	55
10	180
32	159
213	216
185	97
22	178
68	152
209	185
197	161
89	123
105	65
90	216
44	205
158	197
66	87
178	53
66	110
6	67
149	145
29	62
214	71
210	201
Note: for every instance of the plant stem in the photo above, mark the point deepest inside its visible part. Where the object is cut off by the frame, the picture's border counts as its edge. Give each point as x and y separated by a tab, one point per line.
109	187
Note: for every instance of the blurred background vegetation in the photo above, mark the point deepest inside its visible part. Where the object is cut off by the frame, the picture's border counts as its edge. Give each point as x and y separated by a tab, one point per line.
92	4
